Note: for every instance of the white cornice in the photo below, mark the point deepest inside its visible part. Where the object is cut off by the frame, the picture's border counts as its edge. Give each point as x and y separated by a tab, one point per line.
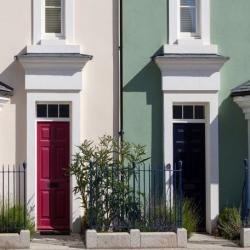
53	72
188	64
3	100
74	63
244	104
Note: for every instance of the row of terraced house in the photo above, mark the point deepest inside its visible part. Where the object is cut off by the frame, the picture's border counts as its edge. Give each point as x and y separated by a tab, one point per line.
169	74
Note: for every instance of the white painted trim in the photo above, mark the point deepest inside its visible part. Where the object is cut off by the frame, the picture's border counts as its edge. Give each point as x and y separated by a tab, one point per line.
38	24
3	101
182	74
37	21
173	21
205	21
53	73
188	120
75	135
174	24
70	20
210	100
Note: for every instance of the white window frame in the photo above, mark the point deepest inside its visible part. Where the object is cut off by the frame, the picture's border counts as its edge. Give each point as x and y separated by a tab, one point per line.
46	35
203	26
39	23
190	34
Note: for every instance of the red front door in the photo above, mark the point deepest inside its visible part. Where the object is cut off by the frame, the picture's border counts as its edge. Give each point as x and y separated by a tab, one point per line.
52	179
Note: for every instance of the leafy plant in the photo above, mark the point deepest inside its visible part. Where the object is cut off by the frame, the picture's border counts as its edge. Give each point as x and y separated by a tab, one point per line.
229	223
100	171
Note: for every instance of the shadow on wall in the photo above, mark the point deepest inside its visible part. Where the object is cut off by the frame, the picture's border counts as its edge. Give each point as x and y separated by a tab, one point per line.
233	150
13	75
148	81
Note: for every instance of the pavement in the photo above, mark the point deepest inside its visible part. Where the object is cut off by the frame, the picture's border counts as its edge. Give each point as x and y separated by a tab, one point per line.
57	242
75	242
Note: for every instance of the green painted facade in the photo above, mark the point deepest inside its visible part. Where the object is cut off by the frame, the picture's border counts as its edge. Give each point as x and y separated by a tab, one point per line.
144	34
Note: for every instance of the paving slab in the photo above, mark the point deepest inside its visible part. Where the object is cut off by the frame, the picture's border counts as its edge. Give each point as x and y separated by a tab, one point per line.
57	242
205	241
75	242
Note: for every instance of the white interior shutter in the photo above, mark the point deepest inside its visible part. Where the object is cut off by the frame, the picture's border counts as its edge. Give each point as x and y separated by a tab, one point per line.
188	14
54	16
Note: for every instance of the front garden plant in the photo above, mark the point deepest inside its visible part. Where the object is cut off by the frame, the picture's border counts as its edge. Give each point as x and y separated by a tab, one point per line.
105	180
106	166
229	223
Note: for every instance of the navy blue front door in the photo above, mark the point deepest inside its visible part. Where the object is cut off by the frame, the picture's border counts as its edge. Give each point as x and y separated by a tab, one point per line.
189	146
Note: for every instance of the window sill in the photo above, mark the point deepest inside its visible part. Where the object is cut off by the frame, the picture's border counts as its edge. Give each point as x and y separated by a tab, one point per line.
54	48
53	41
190	46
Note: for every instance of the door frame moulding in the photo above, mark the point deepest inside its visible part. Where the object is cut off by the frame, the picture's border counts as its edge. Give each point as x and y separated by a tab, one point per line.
68	120
194	78
74	100
210	101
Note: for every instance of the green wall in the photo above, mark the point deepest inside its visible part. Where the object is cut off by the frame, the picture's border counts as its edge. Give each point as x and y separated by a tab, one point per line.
145	32
230	30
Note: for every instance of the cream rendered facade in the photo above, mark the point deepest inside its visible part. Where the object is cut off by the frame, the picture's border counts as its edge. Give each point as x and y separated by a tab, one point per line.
93	94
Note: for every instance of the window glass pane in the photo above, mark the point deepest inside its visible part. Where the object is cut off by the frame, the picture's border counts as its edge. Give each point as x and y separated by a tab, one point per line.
41	110
188	112
177	112
188	19
199	112
53	20
64	111
54	3
53	110
188	2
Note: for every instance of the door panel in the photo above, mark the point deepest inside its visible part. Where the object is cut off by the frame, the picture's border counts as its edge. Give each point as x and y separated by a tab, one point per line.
52	180
189	146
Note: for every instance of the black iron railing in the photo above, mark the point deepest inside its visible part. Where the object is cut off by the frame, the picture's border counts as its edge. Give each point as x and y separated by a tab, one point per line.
136	196
13	208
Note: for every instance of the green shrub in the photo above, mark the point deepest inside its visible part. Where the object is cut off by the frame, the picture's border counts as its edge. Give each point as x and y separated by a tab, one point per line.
229	223
111	170
190	216
14	220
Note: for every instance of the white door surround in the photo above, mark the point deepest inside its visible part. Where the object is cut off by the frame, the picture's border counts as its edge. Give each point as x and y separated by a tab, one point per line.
194	79
55	78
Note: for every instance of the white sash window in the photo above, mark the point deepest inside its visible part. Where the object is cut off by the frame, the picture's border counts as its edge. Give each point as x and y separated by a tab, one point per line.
189	17
54	18
53	21
189	22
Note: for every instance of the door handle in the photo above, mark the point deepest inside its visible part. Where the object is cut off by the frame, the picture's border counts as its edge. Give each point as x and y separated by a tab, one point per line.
53	184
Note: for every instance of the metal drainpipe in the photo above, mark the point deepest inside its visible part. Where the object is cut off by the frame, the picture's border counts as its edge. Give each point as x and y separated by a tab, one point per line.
121	132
